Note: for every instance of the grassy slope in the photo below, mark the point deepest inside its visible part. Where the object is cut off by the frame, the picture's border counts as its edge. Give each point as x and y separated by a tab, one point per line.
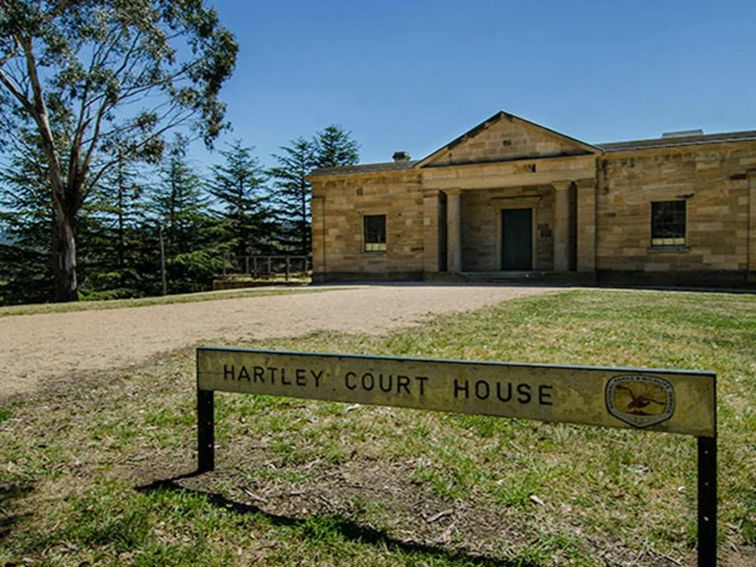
34	309
365	486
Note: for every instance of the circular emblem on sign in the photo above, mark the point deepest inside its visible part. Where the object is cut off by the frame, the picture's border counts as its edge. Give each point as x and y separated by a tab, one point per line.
640	400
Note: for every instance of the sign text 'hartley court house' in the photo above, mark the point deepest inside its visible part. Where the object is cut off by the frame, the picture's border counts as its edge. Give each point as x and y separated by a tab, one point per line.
511	198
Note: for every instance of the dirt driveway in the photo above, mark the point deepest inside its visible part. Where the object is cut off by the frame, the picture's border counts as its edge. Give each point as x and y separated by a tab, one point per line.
35	349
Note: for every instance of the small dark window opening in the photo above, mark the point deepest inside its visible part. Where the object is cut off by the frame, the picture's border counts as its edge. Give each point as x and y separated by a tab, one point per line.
668	223
374	233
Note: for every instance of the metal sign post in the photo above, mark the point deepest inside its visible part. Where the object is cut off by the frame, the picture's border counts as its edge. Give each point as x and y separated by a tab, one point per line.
707	501
659	400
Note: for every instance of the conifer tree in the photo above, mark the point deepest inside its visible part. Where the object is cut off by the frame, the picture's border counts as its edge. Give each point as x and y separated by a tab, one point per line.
335	147
239	186
292	194
112	239
193	248
26	222
330	147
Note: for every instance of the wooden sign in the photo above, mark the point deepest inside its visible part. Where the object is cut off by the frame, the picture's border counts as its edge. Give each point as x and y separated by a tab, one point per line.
672	401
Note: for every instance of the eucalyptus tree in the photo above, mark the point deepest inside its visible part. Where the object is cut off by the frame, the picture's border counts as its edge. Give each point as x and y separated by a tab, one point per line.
84	74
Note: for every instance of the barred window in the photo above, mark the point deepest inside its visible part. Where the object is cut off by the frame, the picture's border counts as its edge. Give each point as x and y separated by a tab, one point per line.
374	233
668	223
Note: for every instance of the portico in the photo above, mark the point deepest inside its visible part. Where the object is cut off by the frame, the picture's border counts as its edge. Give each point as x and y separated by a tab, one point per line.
501	220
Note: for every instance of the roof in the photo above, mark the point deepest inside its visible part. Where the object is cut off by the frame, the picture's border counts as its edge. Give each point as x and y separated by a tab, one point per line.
366	168
675	141
664	142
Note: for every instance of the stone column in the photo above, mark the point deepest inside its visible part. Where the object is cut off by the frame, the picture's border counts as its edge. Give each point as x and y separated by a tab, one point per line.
317	208
454	230
751	268
562	226
586	225
430	230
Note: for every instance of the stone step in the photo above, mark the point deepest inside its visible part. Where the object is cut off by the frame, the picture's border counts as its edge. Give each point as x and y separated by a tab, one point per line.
519	277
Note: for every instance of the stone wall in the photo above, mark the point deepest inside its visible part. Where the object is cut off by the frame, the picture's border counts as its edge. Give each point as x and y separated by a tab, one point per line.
338	208
710	179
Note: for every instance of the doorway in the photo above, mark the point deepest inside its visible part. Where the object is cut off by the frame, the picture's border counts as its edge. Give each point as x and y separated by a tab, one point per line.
516	240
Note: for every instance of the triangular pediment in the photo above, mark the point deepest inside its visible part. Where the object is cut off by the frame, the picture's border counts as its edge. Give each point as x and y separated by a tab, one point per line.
505	137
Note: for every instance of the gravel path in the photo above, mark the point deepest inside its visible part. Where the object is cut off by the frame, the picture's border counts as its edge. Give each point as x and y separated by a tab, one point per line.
35	349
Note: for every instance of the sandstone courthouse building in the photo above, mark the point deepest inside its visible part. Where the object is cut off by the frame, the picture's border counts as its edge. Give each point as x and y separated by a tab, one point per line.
512	199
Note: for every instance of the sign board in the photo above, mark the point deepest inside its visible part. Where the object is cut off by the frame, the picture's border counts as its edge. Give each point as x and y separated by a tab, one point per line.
657	400
672	401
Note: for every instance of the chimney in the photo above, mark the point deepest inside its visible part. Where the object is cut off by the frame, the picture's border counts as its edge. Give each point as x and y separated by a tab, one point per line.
401	157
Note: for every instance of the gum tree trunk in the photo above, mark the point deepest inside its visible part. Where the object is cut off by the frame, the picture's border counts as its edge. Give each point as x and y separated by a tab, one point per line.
64	240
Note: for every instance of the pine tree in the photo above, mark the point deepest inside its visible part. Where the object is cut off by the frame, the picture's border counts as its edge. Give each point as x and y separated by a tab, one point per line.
193	248
330	147
335	147
112	239
239	186
292	195
26	222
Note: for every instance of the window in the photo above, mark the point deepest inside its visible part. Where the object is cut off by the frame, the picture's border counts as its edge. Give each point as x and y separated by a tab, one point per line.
668	223
374	233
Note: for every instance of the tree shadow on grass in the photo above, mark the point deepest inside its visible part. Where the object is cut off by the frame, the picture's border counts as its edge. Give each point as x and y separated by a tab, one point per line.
8	493
346	527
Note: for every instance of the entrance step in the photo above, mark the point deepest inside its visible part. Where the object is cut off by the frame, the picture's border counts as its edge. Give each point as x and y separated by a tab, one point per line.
516	278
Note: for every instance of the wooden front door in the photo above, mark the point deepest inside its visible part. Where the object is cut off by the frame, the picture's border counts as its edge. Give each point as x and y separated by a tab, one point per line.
517	239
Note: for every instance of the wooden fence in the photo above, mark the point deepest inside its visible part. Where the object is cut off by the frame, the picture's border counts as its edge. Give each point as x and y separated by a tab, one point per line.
267	266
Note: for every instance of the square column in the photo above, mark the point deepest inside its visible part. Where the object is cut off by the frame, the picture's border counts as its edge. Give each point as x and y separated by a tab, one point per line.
586	225
454	230
562	226
431	230
317	209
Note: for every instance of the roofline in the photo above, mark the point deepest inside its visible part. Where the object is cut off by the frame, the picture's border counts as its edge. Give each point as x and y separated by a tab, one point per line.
380	167
495	118
672	142
603	148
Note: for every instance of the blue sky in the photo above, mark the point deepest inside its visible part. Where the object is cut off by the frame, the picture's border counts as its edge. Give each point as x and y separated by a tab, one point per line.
413	75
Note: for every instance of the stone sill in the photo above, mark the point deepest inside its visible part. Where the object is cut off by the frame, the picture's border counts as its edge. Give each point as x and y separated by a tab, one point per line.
668	249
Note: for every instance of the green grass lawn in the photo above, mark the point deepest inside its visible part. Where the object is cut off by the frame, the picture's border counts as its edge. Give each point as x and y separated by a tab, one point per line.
33	309
92	474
